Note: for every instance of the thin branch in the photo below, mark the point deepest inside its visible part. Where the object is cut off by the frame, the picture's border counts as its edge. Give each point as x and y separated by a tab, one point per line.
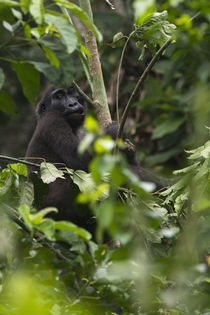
11	159
80	91
118	76
139	83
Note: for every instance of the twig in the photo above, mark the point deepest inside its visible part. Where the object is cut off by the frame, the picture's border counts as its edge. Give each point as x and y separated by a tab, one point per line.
79	90
118	76
8	158
138	84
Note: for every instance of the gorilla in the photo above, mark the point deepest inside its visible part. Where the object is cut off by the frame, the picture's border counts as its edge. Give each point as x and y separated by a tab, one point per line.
60	117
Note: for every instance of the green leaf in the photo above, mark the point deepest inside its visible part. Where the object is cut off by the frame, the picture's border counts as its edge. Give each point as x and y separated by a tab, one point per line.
168	126
24	211
51	56
11	3
2	77
38	217
47	227
4	189
7	104
68	226
25	5
143	9
50	72
84	181
83	16
26	193
49	172
36	9
29	79
19	168
65	29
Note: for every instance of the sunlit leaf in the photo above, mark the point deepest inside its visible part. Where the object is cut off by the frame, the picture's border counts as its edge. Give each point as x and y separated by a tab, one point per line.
65	29
143	9
51	56
49	172
83	180
36	9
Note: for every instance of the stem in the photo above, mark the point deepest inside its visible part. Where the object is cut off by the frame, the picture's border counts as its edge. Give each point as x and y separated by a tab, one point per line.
11	159
139	83
80	91
98	88
118	76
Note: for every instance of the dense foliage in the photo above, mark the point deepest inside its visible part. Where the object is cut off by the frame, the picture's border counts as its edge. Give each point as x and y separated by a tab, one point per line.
162	265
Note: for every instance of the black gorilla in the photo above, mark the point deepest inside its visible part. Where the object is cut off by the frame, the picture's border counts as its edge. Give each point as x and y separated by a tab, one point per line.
60	115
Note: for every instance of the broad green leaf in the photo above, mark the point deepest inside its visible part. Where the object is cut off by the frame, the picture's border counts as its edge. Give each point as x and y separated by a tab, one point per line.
29	79
84	181
6	14
24	211
65	29
2	78
26	193
49	172
7	104
143	10
38	217
118	40
168	126
68	226
4	189
36	9
83	16
47	227
19	168
10	3
25	5
51	56
17	14
49	71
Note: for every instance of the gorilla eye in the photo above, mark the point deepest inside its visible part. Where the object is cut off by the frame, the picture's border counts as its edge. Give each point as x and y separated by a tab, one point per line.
59	96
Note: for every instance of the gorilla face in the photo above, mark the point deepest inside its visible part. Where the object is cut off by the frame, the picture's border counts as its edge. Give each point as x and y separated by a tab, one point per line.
68	102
